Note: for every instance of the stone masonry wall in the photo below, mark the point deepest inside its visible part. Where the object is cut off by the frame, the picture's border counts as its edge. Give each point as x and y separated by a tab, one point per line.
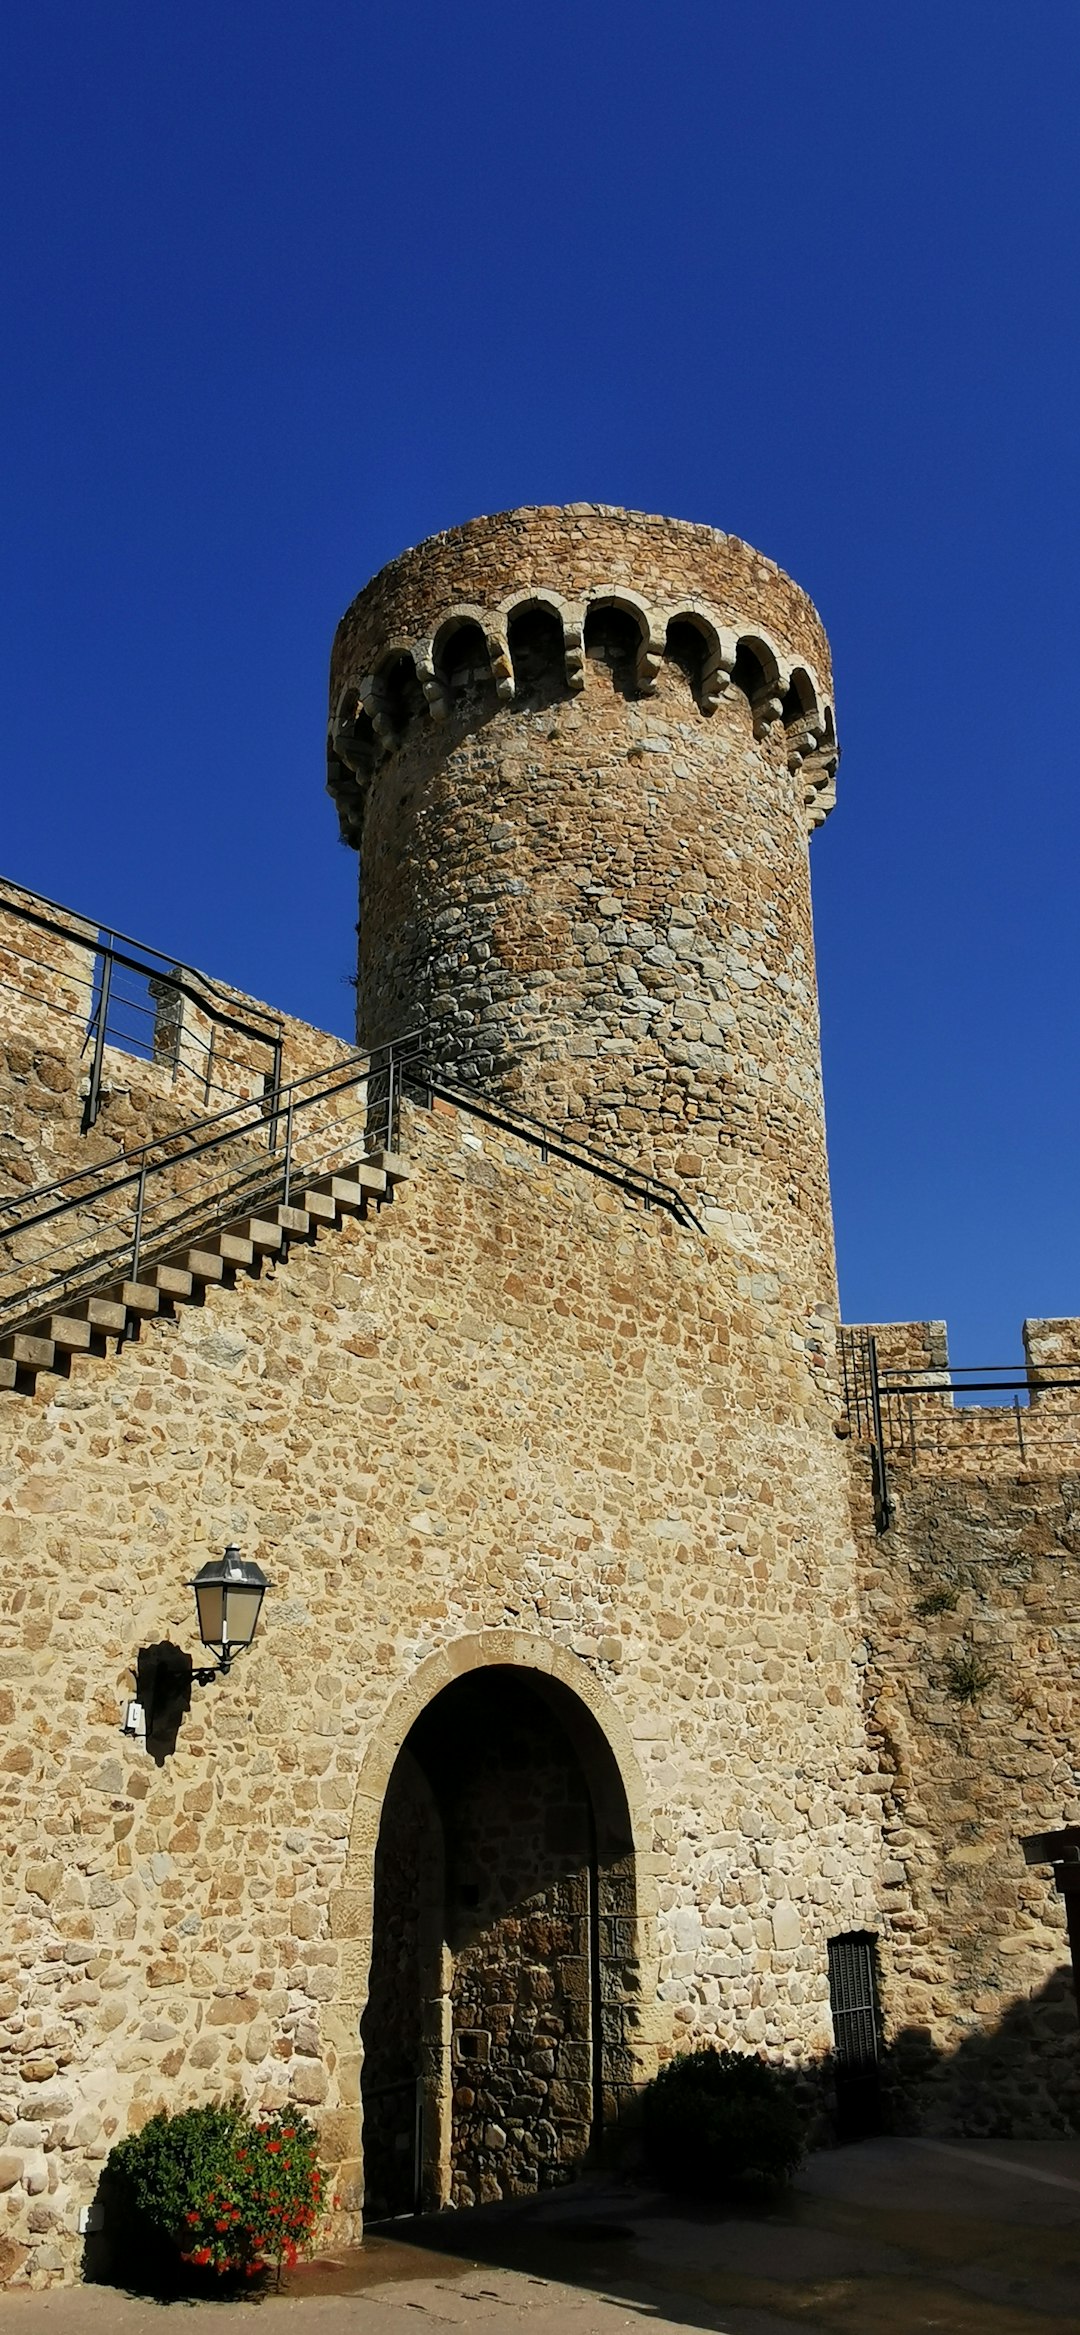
511	1410
574	548
518	1890
47	994
593	894
49	963
971	1603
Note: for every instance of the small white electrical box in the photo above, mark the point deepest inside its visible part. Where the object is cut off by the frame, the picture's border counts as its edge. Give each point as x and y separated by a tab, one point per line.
134	1720
90	2218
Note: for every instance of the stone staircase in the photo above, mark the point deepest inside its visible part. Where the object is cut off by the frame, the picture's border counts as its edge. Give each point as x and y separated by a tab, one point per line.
116	1309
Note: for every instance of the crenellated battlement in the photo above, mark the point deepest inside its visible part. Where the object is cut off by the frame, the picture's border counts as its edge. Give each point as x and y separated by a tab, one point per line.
437	637
996	1418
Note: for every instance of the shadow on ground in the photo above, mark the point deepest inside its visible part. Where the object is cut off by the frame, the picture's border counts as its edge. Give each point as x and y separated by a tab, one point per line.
884	2238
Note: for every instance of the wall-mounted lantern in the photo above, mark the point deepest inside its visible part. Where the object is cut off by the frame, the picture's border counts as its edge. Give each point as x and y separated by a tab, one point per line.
228	1594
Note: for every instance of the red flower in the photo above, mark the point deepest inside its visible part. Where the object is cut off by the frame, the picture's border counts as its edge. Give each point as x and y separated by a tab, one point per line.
273	2147
191	2217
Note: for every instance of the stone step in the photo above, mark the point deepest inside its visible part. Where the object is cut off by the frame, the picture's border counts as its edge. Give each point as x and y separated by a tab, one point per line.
29	1353
103	1314
321	1207
261	1234
354	1192
295	1221
322	1204
139	1297
172	1281
394	1165
202	1264
67	1332
233	1250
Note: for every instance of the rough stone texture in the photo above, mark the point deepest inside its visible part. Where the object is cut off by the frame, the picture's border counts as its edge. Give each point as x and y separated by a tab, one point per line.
210	1070
435	1469
49	976
971	1602
516	1820
596	898
516	1425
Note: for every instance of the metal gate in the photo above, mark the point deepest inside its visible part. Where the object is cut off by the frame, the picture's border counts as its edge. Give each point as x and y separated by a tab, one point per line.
856	2017
393	2149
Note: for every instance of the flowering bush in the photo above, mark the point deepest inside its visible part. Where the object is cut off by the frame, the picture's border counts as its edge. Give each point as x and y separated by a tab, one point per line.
233	2194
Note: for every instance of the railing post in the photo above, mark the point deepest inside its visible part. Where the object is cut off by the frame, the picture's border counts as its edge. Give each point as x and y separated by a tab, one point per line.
93	1092
391	1072
287	1178
882	1505
275	1097
178	1031
140	1202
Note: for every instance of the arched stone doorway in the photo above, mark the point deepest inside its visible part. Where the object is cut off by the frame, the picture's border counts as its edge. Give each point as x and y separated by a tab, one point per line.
501	2033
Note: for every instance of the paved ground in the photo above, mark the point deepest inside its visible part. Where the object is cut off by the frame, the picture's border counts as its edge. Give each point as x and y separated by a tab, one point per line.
892	2237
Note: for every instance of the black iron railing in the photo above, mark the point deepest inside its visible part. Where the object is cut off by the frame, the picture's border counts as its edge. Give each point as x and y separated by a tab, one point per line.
121	993
108	1220
552	1142
881	1399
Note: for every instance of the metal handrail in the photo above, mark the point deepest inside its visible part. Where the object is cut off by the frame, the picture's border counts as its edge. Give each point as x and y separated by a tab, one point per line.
957	1378
139	1249
386	1071
104	1252
262	1111
551	1140
106	950
82	930
872	1392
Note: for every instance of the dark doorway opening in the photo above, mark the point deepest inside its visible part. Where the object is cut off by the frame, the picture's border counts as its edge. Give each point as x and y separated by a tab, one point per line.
499	2031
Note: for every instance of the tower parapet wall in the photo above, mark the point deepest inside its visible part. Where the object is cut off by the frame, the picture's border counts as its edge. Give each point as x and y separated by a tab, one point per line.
578	751
971	1606
983	1422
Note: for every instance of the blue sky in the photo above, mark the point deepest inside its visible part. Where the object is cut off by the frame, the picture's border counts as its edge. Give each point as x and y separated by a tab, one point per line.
287	288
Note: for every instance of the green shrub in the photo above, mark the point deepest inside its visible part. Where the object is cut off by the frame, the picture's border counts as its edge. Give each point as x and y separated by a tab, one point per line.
937	1601
223	2192
966	1675
721	2121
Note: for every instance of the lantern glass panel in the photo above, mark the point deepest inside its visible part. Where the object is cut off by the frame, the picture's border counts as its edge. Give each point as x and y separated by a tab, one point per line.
242	1601
210	1600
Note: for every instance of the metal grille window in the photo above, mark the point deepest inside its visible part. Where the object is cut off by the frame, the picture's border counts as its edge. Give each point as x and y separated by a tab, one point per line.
853	1996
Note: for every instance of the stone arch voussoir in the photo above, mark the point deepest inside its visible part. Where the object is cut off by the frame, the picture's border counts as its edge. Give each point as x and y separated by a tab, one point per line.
352	1906
512	1649
570	614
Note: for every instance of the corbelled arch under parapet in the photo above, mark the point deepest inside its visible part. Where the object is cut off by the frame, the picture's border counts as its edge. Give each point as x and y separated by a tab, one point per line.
760	635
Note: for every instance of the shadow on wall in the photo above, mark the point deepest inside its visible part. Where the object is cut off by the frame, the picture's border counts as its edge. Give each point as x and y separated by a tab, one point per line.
163	1678
993	2086
985	2088
1018	2080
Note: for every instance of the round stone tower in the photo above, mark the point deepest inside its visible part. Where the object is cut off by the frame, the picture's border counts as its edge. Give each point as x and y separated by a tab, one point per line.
579	751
